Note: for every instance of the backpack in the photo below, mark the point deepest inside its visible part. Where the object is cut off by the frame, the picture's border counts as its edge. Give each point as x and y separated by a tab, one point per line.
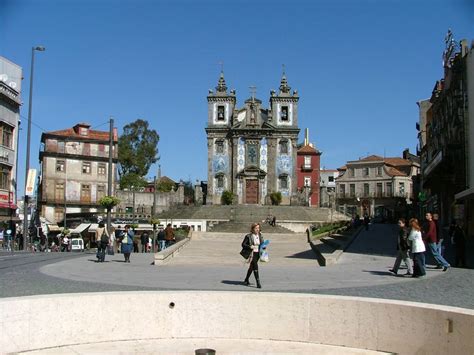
104	238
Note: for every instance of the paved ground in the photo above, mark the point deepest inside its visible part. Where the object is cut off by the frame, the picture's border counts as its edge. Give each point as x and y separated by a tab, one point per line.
214	264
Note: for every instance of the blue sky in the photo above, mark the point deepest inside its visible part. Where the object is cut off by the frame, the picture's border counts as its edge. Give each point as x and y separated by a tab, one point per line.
360	66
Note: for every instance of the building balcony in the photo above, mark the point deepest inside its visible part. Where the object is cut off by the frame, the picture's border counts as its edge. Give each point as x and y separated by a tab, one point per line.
306	167
61	202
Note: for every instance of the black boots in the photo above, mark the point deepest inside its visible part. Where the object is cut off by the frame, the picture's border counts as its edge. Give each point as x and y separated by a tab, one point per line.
257	278
246	281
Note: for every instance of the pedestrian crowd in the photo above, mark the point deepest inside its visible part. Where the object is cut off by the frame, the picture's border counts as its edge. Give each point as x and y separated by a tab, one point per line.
416	239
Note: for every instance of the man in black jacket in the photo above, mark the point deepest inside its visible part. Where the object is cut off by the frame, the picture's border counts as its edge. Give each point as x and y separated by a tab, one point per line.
144	240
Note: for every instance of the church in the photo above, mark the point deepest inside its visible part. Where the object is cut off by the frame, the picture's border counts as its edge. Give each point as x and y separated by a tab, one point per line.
252	149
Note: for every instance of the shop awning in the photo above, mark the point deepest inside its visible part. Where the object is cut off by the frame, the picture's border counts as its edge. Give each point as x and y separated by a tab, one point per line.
467	194
93	227
8	218
53	228
80	228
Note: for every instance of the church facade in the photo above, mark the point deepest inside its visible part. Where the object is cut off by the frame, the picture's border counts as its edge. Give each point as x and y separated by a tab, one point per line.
252	149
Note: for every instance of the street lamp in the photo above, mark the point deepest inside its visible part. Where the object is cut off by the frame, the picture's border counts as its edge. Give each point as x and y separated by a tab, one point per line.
28	139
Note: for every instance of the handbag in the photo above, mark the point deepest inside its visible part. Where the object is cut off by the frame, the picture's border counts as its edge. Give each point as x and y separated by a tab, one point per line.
264	256
246	253
110	250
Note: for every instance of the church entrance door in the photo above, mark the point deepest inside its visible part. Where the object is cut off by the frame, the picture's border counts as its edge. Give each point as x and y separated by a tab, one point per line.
251	191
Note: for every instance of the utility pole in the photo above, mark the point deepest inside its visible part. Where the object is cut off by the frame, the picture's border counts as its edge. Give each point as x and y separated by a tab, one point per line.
110	171
26	236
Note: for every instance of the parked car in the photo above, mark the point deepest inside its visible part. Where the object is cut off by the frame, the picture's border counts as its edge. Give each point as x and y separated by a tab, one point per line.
77	243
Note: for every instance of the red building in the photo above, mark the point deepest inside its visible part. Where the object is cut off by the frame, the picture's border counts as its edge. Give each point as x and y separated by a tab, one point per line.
307	172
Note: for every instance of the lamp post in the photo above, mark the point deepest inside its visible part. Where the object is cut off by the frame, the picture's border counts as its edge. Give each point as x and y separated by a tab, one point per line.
28	139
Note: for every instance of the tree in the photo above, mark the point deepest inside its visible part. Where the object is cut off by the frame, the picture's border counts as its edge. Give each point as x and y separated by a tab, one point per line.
138	150
132	179
164	186
188	192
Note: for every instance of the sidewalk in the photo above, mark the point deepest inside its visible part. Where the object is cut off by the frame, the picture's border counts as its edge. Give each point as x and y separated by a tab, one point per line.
214	263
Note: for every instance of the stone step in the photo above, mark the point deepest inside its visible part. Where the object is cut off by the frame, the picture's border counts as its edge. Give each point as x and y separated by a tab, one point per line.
244	227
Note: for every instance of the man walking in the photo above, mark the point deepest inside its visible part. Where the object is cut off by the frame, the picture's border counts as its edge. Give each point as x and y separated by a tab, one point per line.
431	239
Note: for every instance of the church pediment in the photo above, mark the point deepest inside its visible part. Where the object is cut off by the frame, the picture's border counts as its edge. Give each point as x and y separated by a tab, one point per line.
252	171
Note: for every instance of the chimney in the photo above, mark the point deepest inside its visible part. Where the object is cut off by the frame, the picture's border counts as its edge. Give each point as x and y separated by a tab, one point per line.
306	136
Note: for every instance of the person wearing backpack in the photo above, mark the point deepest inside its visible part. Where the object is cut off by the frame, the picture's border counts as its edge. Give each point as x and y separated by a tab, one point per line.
102	240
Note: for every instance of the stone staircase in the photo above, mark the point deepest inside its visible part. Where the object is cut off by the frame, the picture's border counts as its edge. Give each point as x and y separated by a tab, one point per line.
244	227
254	213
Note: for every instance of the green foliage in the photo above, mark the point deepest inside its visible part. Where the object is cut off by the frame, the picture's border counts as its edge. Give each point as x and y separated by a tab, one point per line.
65	231
132	179
327	228
275	197
227	197
109	202
134	226
137	149
154	221
164	186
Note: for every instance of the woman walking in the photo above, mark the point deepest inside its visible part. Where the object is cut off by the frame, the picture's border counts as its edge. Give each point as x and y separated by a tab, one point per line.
403	249
252	241
417	248
127	243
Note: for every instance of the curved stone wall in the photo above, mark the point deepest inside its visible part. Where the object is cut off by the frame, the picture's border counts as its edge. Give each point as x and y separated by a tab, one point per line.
39	322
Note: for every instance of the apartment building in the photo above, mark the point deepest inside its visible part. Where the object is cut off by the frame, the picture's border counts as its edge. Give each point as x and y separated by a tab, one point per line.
74	172
377	186
10	102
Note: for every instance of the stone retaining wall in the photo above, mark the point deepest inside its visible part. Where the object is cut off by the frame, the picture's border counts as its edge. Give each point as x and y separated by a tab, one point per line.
39	322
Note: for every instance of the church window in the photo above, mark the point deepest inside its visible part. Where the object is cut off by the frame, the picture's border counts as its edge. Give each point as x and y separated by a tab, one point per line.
219	147
220	181
220	113
284	113
283	147
252	154
283	182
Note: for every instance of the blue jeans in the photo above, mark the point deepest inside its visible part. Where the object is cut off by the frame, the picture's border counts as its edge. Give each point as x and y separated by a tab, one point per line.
162	244
436	255
440	247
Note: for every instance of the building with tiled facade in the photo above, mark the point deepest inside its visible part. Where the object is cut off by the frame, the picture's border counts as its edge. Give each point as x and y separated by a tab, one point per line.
377	186
252	149
74	172
10	102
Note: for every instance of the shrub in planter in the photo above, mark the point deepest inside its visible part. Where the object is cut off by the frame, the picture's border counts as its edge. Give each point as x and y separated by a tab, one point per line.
227	197
275	197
